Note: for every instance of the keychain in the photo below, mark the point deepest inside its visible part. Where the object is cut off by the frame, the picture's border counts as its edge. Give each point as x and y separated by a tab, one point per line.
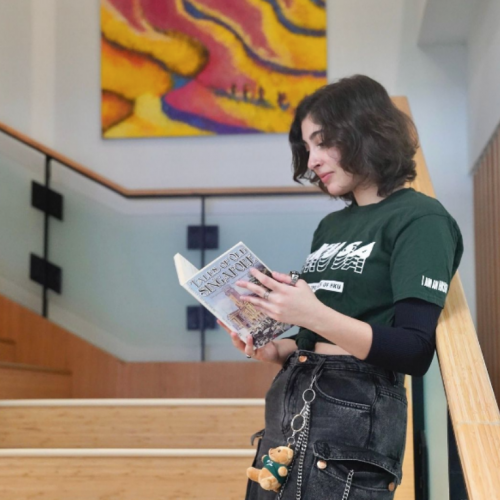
302	428
278	464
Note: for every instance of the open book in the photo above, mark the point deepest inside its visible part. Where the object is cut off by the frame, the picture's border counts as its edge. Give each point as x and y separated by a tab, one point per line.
214	287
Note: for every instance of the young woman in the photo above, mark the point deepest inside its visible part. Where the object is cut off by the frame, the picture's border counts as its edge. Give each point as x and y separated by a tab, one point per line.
367	303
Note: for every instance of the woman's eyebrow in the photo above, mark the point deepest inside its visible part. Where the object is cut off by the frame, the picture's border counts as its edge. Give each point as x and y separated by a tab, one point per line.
315	133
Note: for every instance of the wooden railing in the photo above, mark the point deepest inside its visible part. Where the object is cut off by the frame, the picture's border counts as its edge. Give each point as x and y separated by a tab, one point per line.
153	193
472	404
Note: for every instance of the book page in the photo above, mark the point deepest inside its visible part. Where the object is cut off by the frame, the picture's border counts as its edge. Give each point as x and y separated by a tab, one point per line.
215	287
185	270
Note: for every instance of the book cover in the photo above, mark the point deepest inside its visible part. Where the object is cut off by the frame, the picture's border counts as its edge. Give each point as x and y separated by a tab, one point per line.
214	287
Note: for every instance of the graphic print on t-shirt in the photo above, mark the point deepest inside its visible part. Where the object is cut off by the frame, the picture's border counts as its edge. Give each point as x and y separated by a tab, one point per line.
345	256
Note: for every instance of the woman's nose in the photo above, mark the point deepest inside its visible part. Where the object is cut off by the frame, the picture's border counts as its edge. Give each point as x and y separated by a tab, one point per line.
313	161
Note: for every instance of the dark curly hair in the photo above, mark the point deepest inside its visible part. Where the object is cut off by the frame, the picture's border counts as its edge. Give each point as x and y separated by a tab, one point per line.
375	139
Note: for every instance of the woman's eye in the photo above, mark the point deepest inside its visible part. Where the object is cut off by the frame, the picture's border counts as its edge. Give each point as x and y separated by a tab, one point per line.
321	144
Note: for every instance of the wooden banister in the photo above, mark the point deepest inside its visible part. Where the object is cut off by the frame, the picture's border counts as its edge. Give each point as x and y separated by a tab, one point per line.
155	193
473	408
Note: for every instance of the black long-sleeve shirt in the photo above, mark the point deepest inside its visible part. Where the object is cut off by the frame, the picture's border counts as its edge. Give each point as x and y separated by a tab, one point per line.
406	347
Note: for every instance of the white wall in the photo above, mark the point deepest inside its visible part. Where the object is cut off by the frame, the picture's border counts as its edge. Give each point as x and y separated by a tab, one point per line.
483	75
376	38
15	64
380	40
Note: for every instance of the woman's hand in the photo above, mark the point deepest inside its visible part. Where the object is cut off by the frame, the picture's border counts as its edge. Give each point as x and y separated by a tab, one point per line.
269	353
295	305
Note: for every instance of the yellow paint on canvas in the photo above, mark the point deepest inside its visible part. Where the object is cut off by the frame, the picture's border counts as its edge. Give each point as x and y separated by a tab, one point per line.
295	87
114	109
120	70
257	117
304	13
180	53
292	50
148	120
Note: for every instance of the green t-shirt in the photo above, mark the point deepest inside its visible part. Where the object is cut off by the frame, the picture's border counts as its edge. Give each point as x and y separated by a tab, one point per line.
365	258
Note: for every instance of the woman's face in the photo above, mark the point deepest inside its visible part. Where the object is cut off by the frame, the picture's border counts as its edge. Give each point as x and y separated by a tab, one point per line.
324	162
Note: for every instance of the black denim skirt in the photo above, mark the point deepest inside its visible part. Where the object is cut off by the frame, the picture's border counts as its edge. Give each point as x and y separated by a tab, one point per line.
358	423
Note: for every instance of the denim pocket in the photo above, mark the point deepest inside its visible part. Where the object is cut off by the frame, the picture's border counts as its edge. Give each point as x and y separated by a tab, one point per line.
341	412
347	388
389	422
374	476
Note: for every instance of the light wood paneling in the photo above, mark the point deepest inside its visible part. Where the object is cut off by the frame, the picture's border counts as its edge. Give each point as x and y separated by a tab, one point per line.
487	240
117	426
7	350
97	374
25	382
93	478
245	379
38	341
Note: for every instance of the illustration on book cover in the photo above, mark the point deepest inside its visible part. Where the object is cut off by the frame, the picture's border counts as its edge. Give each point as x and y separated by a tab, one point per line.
215	288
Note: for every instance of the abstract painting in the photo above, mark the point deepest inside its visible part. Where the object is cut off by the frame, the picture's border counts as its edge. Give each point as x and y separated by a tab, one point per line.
202	67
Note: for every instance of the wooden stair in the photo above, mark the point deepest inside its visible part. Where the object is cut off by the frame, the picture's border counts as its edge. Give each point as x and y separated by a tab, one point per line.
170	449
130	424
98	476
127	449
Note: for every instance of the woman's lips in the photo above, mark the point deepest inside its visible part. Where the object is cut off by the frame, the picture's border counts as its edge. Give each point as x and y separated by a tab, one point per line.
325	177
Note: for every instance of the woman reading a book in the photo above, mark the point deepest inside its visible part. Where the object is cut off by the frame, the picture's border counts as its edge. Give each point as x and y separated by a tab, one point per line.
367	303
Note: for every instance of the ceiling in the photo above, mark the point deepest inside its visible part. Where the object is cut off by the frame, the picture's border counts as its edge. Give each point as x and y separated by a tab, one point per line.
447	21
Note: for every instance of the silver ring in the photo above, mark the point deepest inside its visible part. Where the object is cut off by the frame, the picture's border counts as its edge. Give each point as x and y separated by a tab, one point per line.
295	275
266	295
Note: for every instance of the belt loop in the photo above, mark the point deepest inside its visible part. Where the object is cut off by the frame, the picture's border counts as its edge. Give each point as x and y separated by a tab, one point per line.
318	368
394	378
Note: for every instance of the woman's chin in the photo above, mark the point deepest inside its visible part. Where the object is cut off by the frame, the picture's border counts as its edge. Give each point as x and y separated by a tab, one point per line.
335	190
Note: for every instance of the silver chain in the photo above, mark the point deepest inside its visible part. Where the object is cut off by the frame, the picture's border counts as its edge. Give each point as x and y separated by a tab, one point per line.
302	453
308	396
348	485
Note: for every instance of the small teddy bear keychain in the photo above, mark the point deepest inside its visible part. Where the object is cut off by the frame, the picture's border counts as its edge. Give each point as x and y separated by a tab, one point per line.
275	470
277	464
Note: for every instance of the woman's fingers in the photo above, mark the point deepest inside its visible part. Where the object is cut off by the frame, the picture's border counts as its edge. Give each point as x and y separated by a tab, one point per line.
249	351
282	278
265	280
253	287
237	342
220	323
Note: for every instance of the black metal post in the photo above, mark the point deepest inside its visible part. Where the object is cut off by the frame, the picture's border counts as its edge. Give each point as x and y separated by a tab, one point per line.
202	309
46	217
458	490
420	453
